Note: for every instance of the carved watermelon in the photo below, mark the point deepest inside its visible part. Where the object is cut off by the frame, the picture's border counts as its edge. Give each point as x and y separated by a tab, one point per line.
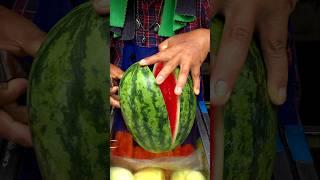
158	119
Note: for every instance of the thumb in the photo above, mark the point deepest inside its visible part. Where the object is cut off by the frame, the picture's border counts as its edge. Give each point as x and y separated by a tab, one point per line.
164	45
172	41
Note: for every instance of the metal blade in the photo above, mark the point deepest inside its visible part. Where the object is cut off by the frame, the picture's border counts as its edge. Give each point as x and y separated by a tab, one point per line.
204	134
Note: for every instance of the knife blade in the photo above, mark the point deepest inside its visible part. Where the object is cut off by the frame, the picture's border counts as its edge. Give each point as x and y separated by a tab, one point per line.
202	120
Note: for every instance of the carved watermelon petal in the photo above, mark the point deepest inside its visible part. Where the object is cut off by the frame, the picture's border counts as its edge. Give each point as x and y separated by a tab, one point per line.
170	98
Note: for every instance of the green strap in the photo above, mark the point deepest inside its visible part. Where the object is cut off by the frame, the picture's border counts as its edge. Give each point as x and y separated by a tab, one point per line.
118	9
170	20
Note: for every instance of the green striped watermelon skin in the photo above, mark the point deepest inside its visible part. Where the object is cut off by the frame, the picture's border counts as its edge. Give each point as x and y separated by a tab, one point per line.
249	121
145	114
68	98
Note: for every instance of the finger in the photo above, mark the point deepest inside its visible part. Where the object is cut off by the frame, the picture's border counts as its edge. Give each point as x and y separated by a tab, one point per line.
34	43
18	113
274	46
16	87
182	79
162	56
102	7
235	42
114	90
14	131
164	45
167	69
114	102
195	73
115	72
116	97
171	42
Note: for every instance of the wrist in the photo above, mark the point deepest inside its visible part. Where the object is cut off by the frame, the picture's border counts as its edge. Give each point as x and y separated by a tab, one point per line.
205	33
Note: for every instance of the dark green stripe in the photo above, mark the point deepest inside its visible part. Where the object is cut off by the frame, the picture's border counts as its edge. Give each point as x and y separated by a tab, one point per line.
147	119
145	105
132	106
67	131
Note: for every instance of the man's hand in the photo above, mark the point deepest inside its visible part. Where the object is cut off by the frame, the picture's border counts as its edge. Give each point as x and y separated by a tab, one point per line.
270	19
19	35
187	50
14	118
115	74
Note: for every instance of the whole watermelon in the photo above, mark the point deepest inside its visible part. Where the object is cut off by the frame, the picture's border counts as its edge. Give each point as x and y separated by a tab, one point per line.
245	128
68	98
158	119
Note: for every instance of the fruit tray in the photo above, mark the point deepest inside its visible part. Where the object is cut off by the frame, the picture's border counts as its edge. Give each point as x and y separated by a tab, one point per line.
188	161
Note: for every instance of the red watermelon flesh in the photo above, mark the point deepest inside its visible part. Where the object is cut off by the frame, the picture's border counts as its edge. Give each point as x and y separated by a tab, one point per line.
170	98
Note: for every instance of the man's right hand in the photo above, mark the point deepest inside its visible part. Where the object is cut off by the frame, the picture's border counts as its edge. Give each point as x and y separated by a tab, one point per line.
269	18
115	74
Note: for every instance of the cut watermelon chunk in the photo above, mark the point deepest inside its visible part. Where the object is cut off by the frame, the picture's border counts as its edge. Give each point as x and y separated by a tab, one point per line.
170	98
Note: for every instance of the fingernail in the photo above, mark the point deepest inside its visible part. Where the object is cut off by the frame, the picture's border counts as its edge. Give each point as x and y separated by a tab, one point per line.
159	79
142	62
178	90
164	47
197	91
282	94
220	89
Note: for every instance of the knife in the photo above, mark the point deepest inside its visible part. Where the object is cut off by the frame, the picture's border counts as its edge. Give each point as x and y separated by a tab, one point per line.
203	123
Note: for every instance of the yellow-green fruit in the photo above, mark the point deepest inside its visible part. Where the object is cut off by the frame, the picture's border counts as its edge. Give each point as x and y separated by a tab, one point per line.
150	174
187	175
117	173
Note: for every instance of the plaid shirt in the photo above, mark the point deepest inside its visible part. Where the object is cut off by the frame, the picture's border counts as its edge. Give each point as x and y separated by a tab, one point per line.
148	13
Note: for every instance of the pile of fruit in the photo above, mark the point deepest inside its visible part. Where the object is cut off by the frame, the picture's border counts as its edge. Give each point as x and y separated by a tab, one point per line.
118	173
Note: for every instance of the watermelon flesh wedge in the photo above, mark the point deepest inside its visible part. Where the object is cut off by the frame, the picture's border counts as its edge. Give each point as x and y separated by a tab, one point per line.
170	98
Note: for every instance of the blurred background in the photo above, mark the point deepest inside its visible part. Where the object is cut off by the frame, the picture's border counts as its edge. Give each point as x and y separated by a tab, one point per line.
306	26
18	163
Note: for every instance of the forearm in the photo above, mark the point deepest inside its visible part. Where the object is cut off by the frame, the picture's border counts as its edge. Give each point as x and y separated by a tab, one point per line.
19	35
